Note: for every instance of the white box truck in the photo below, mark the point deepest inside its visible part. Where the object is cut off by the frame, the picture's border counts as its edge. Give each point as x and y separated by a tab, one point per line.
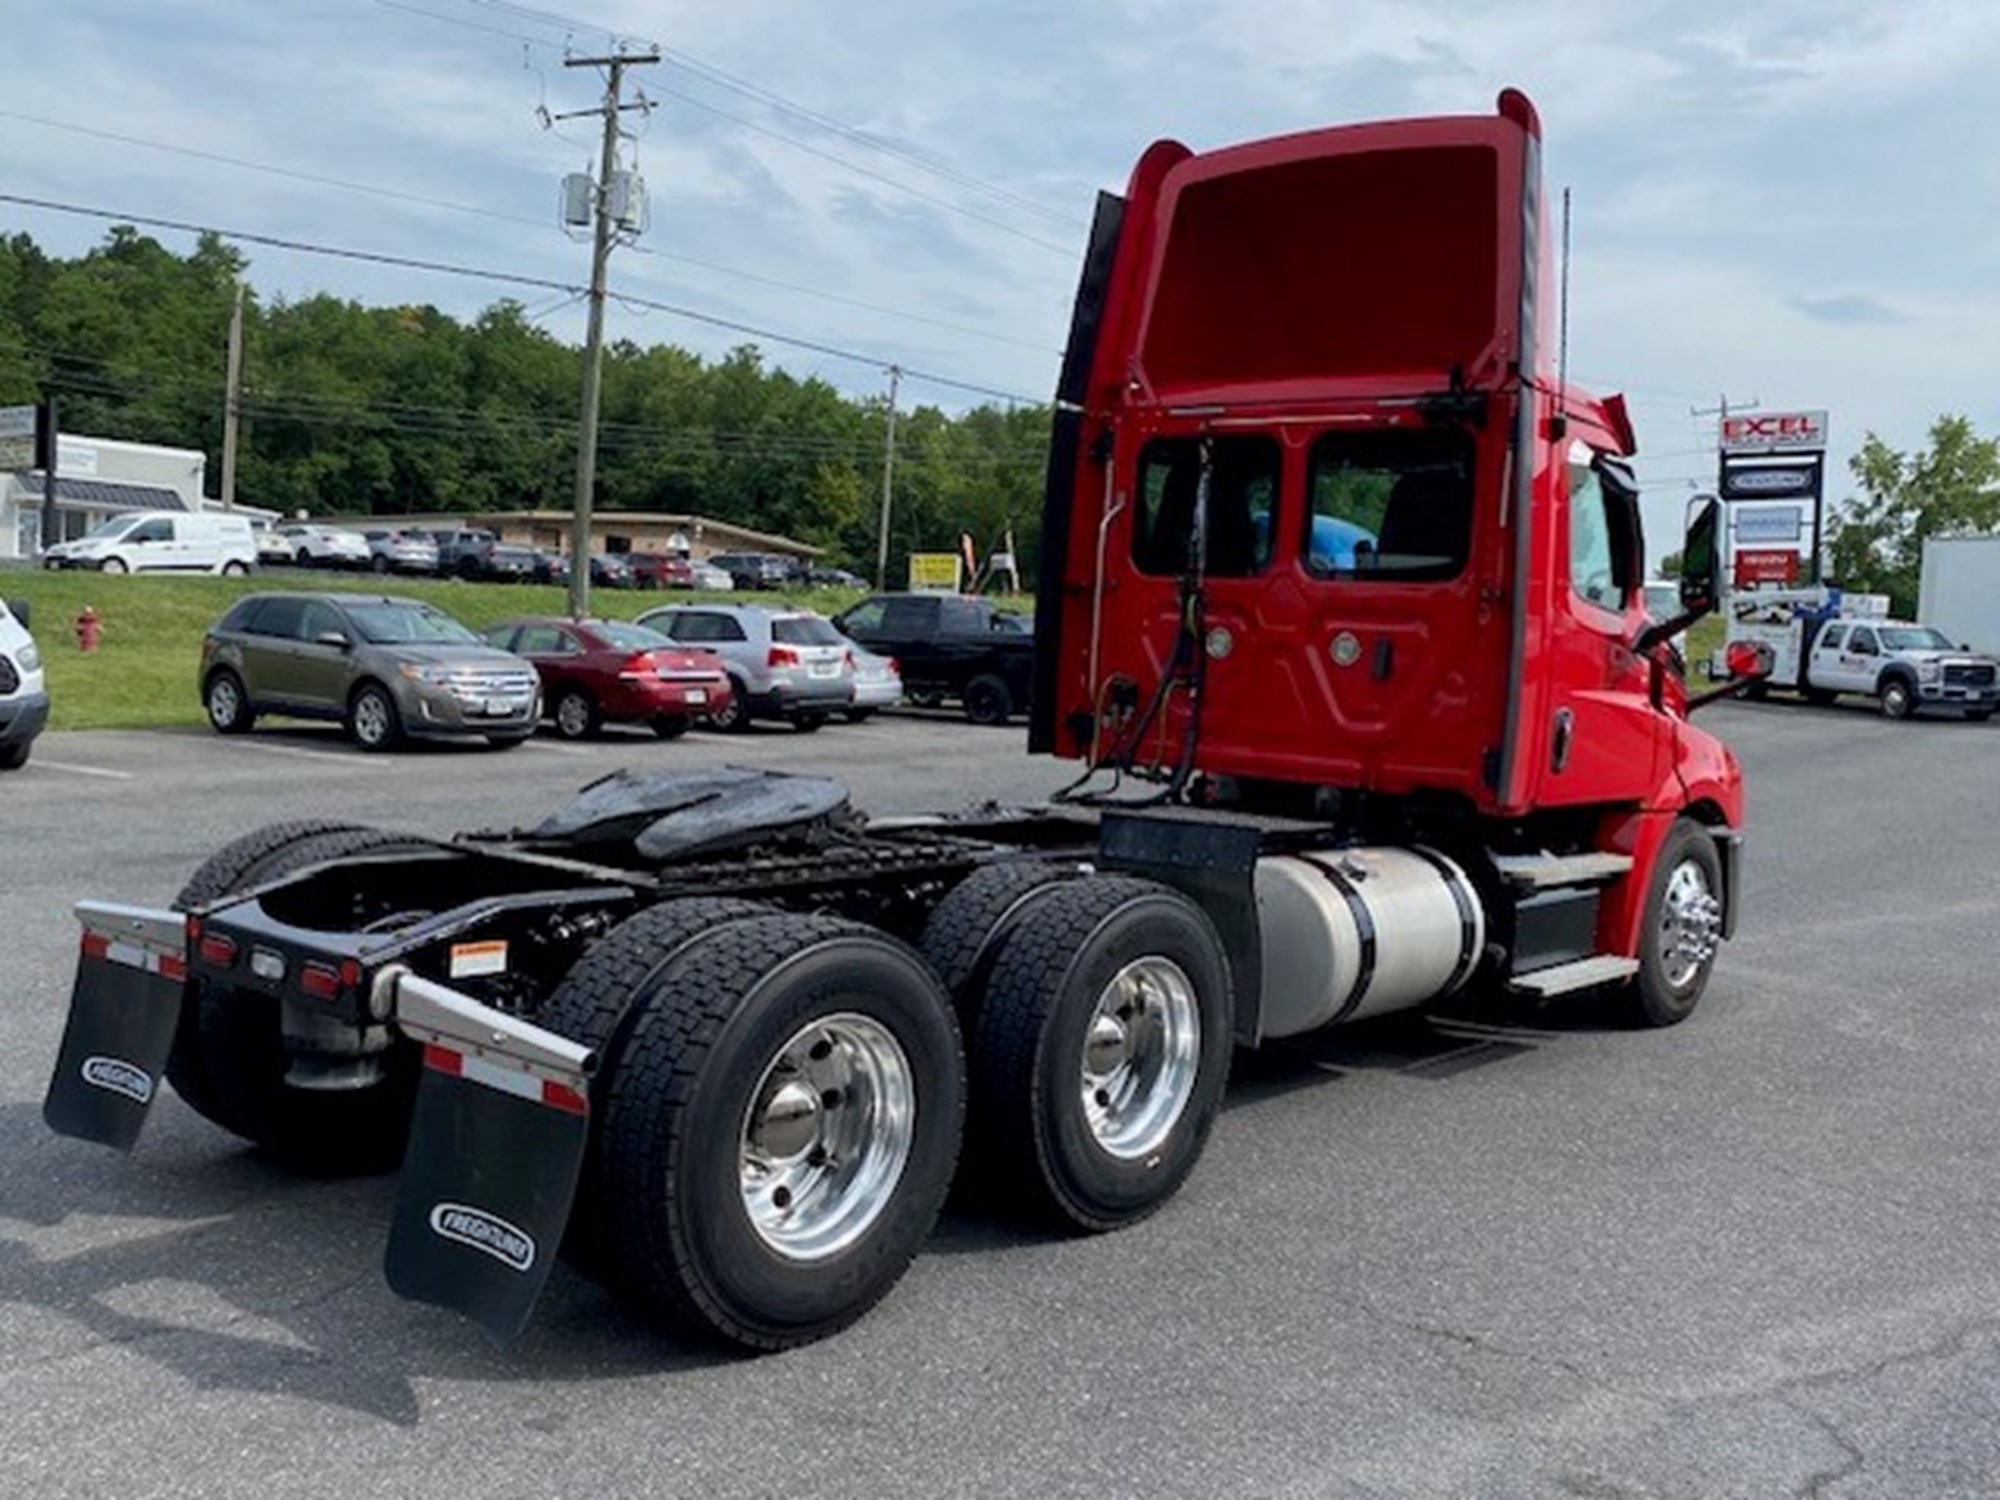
1959	589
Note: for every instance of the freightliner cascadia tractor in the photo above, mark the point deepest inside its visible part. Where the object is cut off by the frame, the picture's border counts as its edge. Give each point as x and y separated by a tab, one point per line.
1339	613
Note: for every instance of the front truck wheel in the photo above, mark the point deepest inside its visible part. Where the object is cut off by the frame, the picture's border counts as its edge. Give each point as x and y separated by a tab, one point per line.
1682	927
230	1061
782	1124
1100	1052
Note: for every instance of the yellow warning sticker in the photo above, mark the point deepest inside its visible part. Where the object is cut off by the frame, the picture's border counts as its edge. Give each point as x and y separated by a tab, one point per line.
469	960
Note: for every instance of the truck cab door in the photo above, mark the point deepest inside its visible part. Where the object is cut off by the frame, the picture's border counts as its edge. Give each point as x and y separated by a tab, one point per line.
1827	664
1606	741
1861	662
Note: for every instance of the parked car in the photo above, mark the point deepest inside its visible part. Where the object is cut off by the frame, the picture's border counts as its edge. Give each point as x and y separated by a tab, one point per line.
609	570
474	553
785	664
401	552
24	698
594	671
549	567
317	546
834	578
385	667
755	570
272	550
161	541
658	570
707	575
878	683
950	647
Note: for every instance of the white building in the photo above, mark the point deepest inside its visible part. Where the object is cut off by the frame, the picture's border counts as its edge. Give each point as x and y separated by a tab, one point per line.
96	479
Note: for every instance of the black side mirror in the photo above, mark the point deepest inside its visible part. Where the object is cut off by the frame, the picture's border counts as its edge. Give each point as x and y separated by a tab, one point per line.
18	608
1701	560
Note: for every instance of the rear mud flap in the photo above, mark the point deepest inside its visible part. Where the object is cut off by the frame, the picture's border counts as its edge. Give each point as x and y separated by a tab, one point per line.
130	976
496	1144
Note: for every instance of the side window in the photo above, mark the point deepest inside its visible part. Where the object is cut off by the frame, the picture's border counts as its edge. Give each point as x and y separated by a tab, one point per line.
159	529
866	615
729	628
682	627
1242	499
279	617
544	640
909	617
1590	551
502	636
1863	642
961	617
1389	506
1832	636
316	619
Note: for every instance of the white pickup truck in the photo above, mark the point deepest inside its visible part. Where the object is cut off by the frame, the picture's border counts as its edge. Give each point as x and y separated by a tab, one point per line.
1904	667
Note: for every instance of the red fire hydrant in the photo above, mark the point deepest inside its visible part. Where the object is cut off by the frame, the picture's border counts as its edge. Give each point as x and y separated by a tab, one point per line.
88	628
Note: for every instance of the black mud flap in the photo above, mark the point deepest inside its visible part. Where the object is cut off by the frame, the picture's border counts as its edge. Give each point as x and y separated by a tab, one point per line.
496	1144
130	976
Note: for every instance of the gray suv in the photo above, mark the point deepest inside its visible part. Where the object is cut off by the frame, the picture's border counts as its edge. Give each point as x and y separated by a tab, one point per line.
783	663
386	668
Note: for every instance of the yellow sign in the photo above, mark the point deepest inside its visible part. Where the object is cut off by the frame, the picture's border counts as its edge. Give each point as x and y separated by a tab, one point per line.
935	572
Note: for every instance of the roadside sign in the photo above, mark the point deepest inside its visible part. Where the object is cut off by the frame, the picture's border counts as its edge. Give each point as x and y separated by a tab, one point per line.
17	437
935	572
1773	432
1769	481
1769	523
1773	565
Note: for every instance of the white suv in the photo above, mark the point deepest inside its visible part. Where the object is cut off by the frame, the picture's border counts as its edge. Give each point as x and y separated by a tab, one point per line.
24	701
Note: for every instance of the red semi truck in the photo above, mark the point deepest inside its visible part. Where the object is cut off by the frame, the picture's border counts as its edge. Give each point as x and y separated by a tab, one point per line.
1339	612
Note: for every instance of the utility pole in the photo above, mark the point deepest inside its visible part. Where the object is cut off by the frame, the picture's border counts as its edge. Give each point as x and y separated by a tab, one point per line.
888	484
232	402
593	351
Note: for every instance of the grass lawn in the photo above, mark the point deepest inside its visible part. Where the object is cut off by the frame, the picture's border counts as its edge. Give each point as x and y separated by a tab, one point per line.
143	671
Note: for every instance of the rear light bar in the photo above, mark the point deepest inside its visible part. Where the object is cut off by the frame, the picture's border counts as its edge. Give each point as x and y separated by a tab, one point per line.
217	950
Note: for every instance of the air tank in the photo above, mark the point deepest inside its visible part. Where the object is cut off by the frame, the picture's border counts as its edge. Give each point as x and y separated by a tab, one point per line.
1357	932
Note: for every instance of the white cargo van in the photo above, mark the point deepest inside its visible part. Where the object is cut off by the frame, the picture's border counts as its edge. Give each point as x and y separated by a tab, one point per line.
162	541
24	699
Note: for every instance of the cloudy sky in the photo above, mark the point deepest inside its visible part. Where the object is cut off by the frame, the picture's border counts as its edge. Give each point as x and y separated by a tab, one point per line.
1774	200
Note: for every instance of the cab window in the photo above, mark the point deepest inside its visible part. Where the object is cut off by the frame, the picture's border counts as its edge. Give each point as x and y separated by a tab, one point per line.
1862	642
1832	637
1242	495
1389	506
1605	544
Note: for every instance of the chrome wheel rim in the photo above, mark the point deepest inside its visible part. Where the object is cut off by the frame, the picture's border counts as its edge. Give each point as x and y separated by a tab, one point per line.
826	1136
573	716
224	706
371	719
1141	1054
1690	924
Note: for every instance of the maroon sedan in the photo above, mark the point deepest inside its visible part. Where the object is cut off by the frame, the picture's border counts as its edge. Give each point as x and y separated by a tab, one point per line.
594	670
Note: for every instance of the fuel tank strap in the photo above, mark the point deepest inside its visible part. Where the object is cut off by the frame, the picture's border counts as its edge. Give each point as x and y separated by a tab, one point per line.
1364	924
1468	922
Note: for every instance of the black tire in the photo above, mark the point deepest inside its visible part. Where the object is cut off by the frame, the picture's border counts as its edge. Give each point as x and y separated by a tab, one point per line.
735	718
379	563
1757	692
373	721
113	565
15	756
858	715
842	1015
594	1005
987	700
1898	698
1659	995
1047	994
576	714
967	928
240	1083
227	703
235	570
809	721
671	726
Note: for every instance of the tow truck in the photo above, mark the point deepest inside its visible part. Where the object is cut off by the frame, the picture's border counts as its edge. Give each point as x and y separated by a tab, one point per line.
1340	619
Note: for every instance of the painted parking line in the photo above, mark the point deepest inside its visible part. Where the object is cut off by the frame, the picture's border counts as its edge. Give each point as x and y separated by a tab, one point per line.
42	762
555	749
299	752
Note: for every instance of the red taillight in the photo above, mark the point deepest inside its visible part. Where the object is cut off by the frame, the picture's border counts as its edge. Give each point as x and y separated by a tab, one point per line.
321	981
217	950
638	666
782	656
849	655
895	667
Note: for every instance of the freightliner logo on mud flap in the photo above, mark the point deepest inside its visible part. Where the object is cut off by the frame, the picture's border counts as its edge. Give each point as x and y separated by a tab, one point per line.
115	1075
484	1232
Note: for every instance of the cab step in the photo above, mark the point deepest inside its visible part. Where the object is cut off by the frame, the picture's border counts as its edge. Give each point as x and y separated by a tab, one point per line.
1580	974
1541	872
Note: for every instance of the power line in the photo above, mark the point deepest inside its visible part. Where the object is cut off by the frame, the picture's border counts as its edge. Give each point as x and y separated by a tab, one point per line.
449	268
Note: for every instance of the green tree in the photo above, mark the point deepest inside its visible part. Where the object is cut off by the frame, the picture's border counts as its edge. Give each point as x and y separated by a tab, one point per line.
1950	487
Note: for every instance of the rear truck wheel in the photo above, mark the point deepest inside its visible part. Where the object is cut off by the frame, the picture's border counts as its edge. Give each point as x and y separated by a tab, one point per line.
734	715
1820	697
228	705
783	1120
372	719
987	700
243	1060
809	720
967	928
576	714
1100	1052
1681	929
671	726
1899	700
594	1006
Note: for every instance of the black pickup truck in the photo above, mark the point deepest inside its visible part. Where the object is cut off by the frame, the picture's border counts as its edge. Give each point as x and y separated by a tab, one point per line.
950	647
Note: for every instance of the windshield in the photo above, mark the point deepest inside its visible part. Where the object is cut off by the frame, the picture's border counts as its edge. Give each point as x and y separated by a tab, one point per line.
391	624
116	526
1916	638
805	630
631	637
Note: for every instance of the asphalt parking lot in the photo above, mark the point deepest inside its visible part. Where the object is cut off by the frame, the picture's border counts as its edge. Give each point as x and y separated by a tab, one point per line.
1498	1253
